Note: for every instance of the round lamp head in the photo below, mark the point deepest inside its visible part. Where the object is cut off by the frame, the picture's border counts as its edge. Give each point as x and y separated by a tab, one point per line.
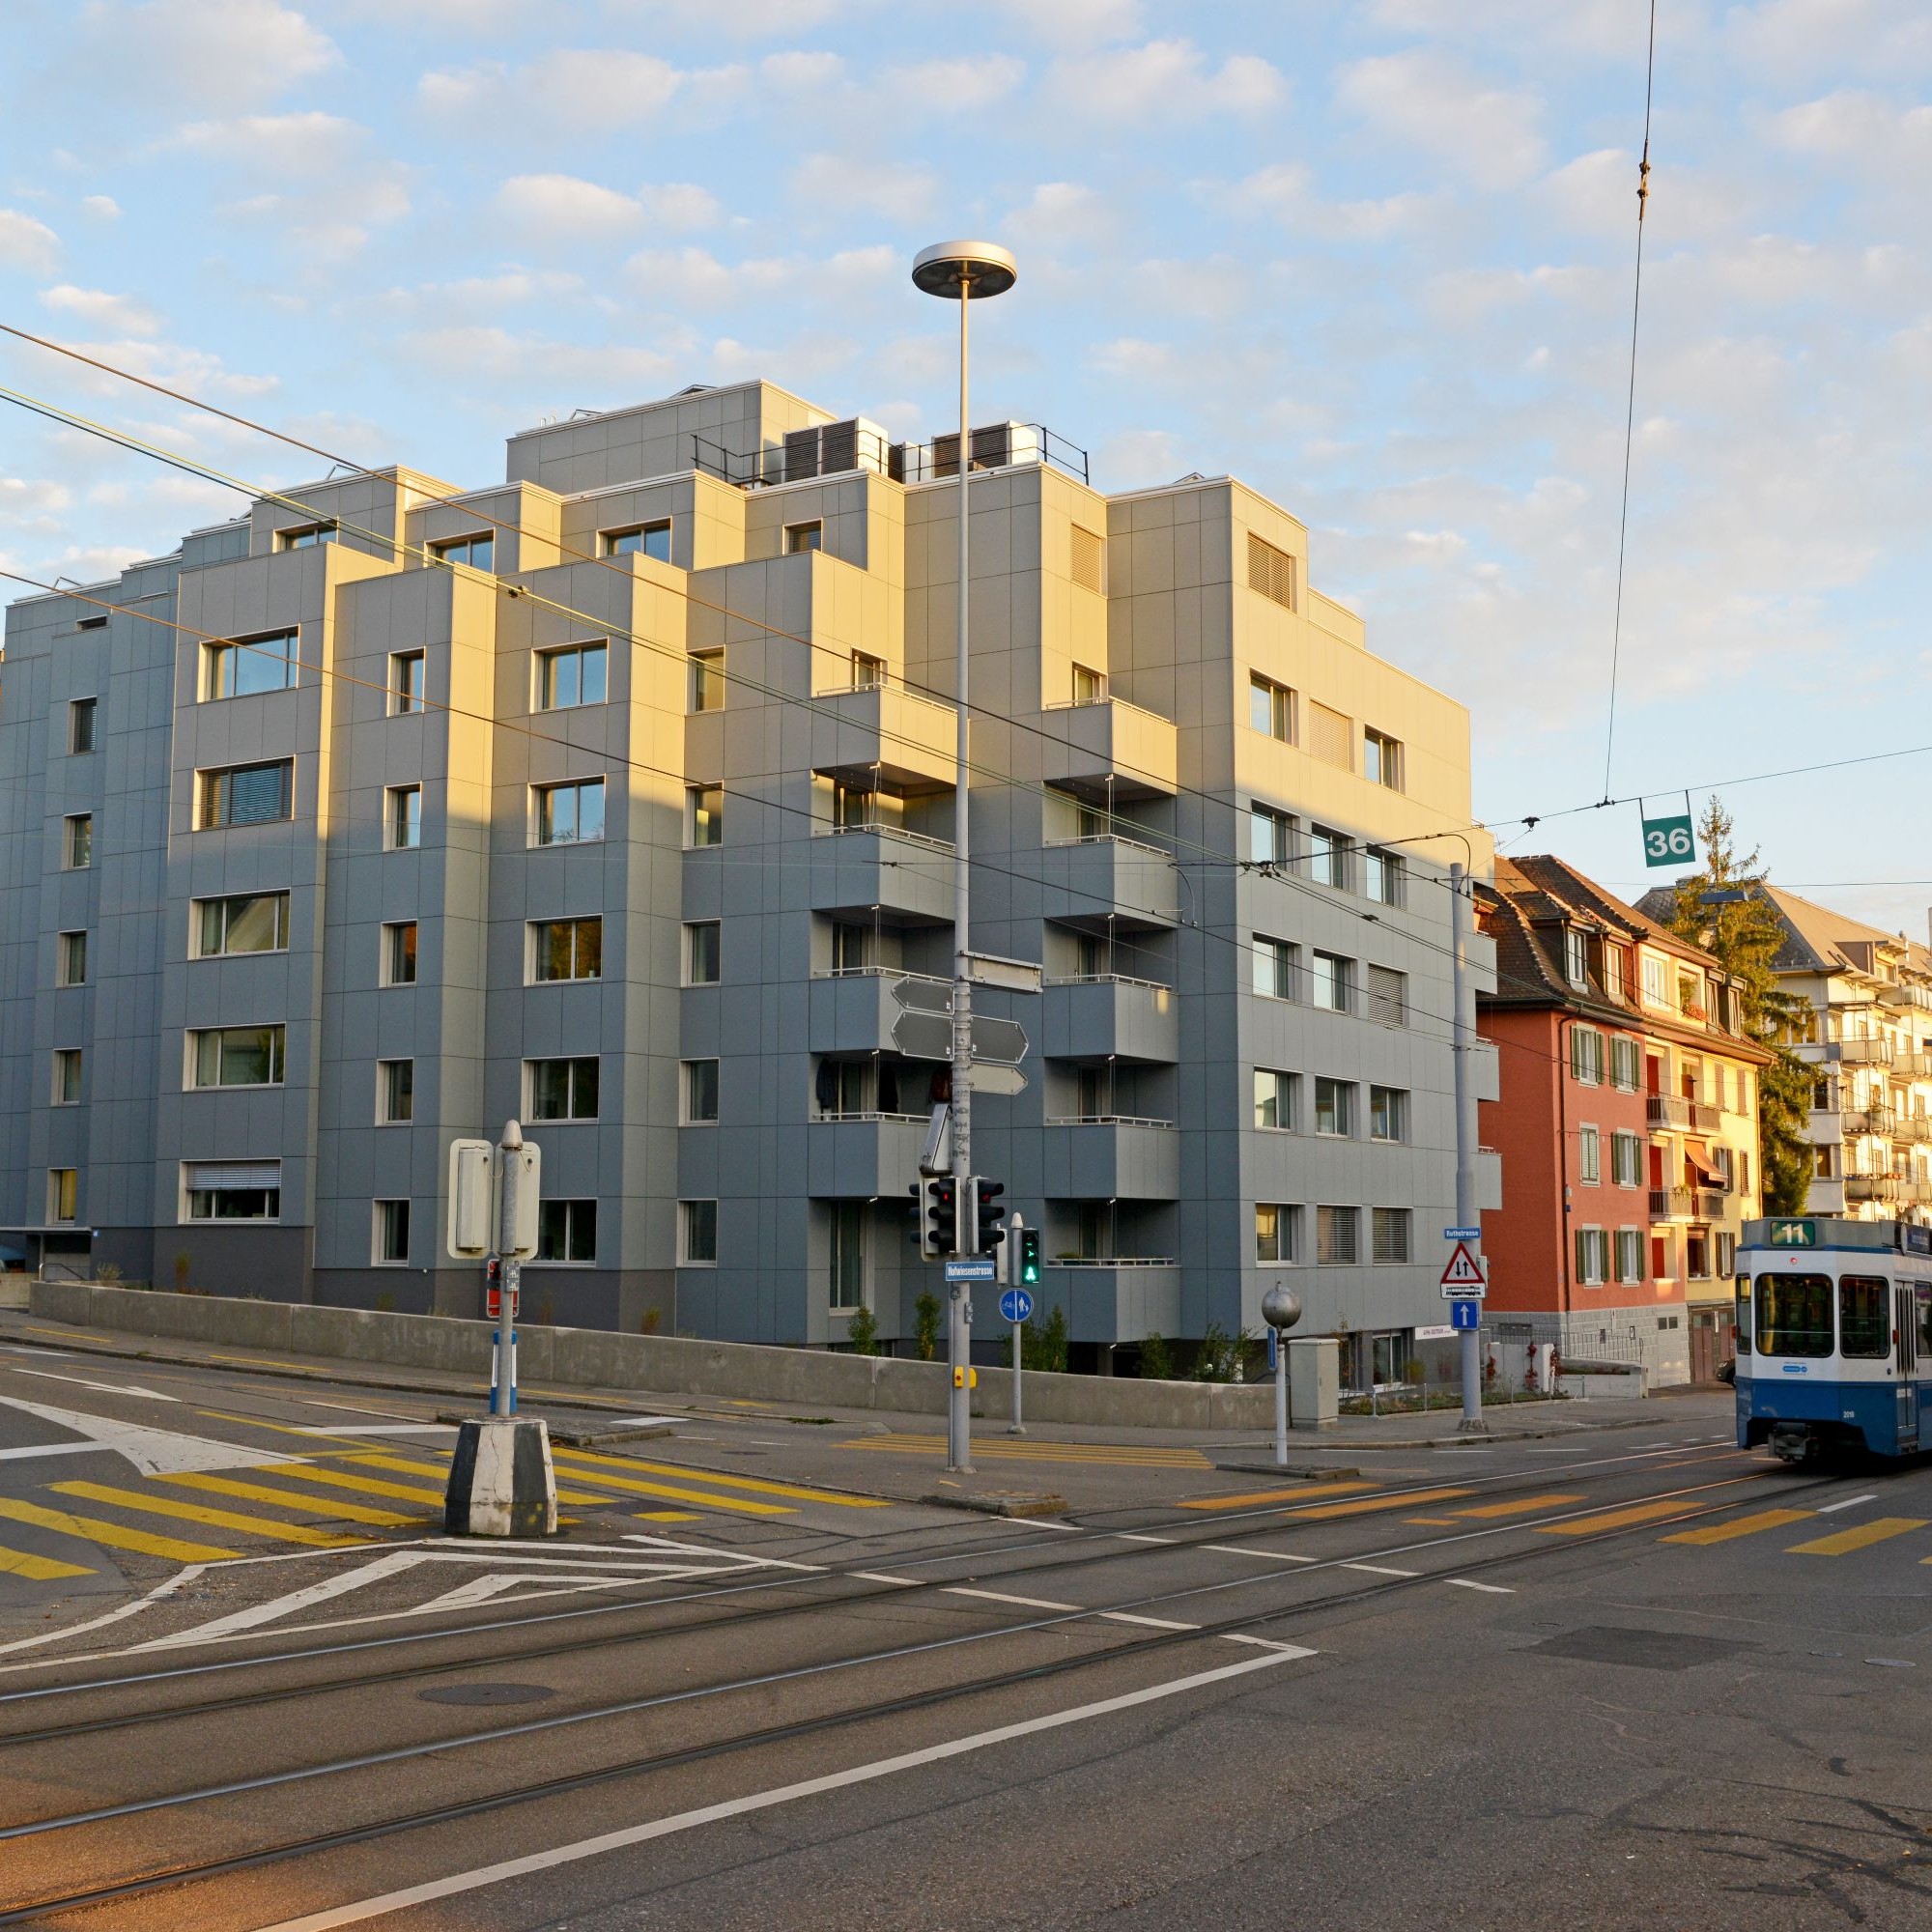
1281	1307
968	270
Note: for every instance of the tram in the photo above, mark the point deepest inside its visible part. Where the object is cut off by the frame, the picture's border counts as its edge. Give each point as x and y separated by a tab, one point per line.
1834	1337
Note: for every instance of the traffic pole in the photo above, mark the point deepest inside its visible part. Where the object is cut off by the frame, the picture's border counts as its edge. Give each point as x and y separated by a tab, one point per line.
1463	1035
1009	1268
503	1388
1280	1402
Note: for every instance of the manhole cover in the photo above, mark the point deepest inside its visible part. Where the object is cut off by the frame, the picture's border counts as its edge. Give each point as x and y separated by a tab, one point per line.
486	1693
1641	1649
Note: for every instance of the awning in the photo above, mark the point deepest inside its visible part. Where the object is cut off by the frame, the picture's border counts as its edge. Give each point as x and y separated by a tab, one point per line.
1698	1152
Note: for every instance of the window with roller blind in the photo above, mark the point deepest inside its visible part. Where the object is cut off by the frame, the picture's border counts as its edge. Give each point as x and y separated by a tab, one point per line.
1271	571
1331	737
244	794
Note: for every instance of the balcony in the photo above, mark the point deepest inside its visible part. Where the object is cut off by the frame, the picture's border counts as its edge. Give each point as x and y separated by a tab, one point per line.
1112	1157
1118	1299
863	1155
1866	1120
857	867
1872	1187
1906	998
1106	750
1087	882
1671	1204
1674	1113
853	1011
1862	1052
1109	1016
882	736
1915	1129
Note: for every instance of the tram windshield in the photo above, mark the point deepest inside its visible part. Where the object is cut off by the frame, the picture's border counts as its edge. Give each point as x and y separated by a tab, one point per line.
1793	1315
1865	1324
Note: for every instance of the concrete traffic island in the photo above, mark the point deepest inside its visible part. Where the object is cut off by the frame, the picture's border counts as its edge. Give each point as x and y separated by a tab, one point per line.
500	1479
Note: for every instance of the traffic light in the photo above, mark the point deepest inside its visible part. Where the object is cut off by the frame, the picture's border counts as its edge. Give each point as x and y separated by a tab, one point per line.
987	1214
939	1223
1029	1257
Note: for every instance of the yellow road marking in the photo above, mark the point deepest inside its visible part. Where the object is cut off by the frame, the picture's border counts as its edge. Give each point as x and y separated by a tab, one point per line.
1585	1525
261	1492
1121	1455
1269	1495
1521	1506
214	1518
754	1483
90	1529
1431	1521
266	1362
280	1428
440	1470
1365	1504
372	1486
668	1516
40	1568
1842	1541
1742	1526
677	1492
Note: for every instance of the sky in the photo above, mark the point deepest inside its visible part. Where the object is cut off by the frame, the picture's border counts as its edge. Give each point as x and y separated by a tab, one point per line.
1376	259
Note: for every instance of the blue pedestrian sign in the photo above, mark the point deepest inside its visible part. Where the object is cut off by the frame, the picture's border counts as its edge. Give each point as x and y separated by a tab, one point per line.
1017	1304
971	1269
1465	1316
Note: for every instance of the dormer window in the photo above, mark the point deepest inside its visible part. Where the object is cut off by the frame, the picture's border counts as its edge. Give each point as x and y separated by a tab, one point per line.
1576	957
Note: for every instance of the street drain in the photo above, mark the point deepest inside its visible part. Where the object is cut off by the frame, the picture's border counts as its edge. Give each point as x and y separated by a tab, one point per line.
486	1693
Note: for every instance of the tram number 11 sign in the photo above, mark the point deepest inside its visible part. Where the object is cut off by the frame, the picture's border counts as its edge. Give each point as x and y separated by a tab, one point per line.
1669	841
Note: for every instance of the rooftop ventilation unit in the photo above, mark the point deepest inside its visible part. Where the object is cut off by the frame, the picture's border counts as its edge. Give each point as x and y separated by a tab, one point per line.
833	449
995	446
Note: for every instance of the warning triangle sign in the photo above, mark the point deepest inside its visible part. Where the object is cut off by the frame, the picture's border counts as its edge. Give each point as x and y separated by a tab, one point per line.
1464	1269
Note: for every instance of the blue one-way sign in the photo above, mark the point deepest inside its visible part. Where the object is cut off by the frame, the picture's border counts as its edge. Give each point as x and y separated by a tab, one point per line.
1465	1315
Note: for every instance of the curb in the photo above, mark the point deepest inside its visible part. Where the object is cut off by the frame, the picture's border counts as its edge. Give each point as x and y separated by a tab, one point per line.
1307	1473
1001	1504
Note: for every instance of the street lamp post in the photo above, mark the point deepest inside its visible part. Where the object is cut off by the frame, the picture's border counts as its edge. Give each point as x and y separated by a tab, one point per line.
965	273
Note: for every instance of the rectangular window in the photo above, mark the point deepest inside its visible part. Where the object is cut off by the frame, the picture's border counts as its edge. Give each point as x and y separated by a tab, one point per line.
408	682
570	815
802	538
70	959
246	923
1274	1098
1617	972
402	817
566	1230
1270	836
237	1056
1271	571
574	675
1793	1315
1087	557
652	540
1334	1106
1272	708
1090	686
1629	1254
1274	968
561	1089
702	943
1656	980
1274	1232
399	953
1592	1257
80	724
478	550
66	1076
847	1284
1331	737
1576	957
1627	1158
232	1190
77	842
1381	759
697	1234
1328	857
1586	1055
1388	996
1697	1254
243	666
566	949
395	1092
63	1193
1624	1068
1864	1317
392	1245
700	1092
1727	1252
246	794
705	823
1589	1156
1337	1237
868	673
306	536
1392	1231
1331	982
707	681
1383	877
1388	1113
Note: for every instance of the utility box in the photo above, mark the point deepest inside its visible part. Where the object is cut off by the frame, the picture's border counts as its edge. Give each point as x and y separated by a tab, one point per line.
472	1172
1314	1382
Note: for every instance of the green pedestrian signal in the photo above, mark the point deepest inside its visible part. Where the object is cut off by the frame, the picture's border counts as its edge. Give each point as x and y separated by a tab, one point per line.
1029	1257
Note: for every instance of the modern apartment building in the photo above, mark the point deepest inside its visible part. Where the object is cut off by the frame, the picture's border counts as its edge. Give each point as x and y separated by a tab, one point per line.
1627	1124
620	796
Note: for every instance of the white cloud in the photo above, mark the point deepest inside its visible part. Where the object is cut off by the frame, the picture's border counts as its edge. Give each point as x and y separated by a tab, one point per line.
1286	190
837	186
1863	130
1077	23
561	207
1059	216
101	310
275	147
1487	134
101	206
26	244
801	72
964	84
1165	80
206	53
1797	39
681	278
681	204
601	87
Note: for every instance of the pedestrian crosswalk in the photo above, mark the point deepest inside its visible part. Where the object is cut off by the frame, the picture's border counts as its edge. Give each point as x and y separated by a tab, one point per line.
1119	1455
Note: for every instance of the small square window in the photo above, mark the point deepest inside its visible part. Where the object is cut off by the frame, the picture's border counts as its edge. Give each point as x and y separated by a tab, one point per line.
77	843
697	1234
1274	1099
570	815
566	1230
478	550
399	953
81	720
566	949
868	673
392	1233
306	536
573	675
70	959
1334	1106
402	817
1090	686
802	538
409	680
395	1092
1274	1232
700	1092
1337	1237
561	1090
707	681
1388	1113
652	540
66	1076
701	953
706	814
63	1193
1392	1235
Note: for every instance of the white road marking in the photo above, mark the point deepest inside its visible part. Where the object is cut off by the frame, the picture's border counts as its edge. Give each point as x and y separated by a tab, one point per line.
1490	1589
878	1577
154	1452
153	1596
1018	1603
1129	1536
1150	1622
1380	1569
297	1599
1265	1555
28	1450
456	1883
106	1388
1260	1642
380	1428
1825	1509
1040	1522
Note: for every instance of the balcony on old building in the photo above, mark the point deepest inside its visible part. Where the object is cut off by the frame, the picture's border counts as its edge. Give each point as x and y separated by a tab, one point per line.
1857	1120
1671	1204
1872	1187
1677	1113
1109	1016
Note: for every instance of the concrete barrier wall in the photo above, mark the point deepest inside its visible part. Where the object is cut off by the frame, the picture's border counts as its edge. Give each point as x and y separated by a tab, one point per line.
656	1364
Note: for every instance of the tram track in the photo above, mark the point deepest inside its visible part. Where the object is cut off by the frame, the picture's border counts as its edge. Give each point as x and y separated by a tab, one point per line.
1244	1624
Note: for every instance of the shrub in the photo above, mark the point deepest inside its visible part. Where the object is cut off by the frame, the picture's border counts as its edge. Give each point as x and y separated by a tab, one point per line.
926	1314
108	1272
862	1332
180	1273
1157	1363
649	1324
1044	1343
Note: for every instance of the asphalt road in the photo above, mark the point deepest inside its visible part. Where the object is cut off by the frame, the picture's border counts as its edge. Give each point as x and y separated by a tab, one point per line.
1627	1678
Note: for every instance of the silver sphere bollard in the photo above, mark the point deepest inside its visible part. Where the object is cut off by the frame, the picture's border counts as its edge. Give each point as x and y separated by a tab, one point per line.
1281	1310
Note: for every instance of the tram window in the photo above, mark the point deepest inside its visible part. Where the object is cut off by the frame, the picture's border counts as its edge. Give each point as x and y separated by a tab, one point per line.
1793	1315
1864	1321
1742	1327
1925	1322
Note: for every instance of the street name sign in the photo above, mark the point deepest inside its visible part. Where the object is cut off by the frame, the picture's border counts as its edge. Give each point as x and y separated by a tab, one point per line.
1461	1234
1017	1304
1464	1276
971	1269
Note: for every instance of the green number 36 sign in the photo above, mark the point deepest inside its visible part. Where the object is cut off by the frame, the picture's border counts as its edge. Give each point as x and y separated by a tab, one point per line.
1669	841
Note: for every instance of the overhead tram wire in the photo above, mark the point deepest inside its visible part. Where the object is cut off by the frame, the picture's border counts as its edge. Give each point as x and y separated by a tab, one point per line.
1630	401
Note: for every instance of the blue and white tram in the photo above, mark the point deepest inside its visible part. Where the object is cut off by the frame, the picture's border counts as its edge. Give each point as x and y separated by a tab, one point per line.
1834	1337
